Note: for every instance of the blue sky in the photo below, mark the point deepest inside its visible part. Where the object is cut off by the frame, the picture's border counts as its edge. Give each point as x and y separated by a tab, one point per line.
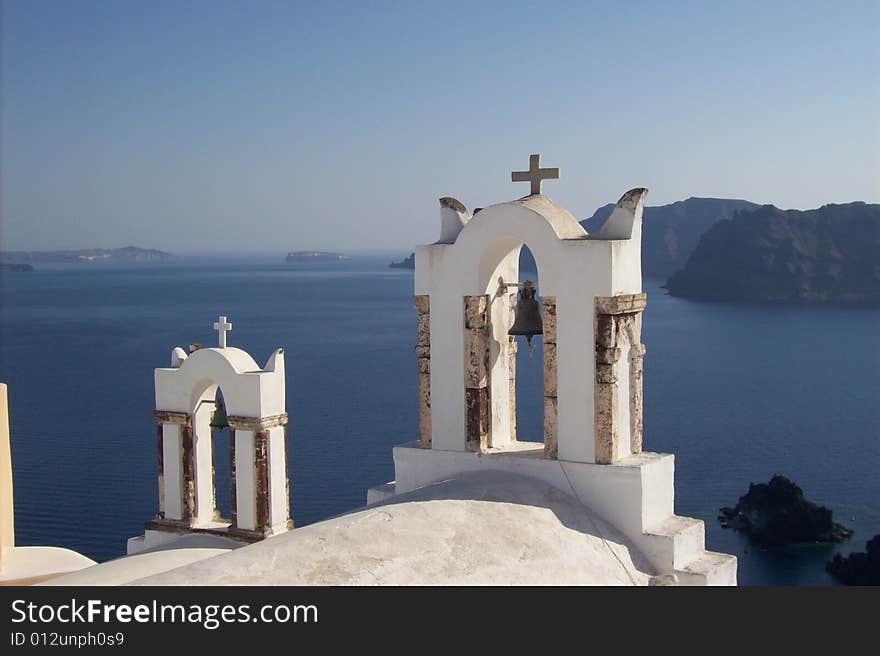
278	126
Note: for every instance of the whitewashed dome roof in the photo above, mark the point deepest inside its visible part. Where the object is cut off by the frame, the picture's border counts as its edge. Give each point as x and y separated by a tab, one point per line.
478	528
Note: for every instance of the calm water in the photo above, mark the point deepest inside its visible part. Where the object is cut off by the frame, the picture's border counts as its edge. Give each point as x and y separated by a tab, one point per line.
738	392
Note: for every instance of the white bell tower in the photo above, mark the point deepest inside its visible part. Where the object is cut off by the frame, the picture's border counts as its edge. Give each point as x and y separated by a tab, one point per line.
591	447
186	398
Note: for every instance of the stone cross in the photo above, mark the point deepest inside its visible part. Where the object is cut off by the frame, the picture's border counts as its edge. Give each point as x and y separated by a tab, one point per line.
535	174
222	327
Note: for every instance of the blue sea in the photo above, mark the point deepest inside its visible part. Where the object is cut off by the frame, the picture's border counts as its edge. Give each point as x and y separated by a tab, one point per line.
737	391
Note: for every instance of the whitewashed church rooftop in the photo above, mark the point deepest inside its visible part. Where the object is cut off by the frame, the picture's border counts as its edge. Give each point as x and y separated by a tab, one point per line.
475	528
470	503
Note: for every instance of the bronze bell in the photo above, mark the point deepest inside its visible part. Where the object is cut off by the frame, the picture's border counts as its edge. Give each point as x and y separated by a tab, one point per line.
218	417
528	315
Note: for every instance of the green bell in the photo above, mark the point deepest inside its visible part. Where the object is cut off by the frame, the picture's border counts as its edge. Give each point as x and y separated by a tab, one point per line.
218	417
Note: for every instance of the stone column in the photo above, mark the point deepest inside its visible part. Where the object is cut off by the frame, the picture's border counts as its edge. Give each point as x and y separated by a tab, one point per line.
636	375
511	368
476	372
233	511
261	502
618	328
205	502
261	480
160	455
176	469
286	480
422	303
189	474
551	403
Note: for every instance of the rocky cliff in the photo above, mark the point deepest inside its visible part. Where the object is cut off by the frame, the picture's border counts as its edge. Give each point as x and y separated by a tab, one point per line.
826	255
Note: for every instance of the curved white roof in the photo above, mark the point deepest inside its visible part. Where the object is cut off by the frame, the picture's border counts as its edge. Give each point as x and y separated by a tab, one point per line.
486	528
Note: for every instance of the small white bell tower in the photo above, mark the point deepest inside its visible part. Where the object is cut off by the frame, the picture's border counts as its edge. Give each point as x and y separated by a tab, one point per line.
254	404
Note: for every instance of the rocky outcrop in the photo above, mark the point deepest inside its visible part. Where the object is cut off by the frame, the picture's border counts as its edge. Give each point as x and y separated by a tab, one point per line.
778	514
406	263
858	568
827	255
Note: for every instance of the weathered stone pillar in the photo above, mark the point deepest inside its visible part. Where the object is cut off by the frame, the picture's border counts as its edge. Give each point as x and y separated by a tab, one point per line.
551	405
216	511
233	512
189	474
176	468
618	331
422	303
636	363
261	494
261	480
160	454
286	478
511	368
476	372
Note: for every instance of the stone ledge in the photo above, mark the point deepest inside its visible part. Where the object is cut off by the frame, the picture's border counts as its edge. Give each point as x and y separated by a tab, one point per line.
171	417
422	303
257	423
181	528
621	304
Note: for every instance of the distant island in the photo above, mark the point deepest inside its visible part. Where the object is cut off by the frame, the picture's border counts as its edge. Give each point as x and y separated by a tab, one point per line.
826	255
408	262
315	256
4	266
126	254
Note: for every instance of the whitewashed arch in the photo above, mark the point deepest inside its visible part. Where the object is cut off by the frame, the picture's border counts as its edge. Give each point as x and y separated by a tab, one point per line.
254	400
575	269
249	391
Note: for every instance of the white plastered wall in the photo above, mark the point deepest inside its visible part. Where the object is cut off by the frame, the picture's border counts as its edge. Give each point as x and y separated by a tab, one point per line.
248	391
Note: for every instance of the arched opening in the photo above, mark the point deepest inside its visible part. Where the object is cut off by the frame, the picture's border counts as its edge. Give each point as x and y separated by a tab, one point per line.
221	436
517	369
211	457
528	384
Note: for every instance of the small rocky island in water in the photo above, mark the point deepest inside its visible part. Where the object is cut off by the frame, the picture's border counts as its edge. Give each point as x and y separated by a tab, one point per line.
315	256
408	262
858	568
777	514
87	255
826	255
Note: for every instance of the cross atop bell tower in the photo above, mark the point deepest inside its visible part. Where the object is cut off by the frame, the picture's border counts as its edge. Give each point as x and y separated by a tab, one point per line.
535	174
222	327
